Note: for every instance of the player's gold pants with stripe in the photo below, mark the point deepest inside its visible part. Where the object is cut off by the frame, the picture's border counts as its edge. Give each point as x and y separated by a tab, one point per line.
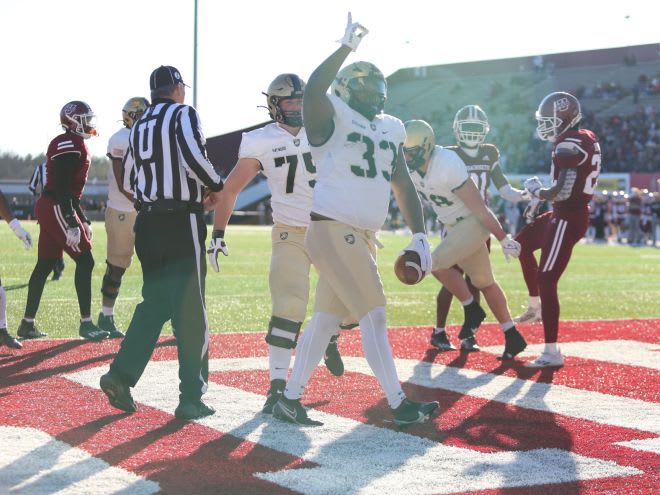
345	257
465	245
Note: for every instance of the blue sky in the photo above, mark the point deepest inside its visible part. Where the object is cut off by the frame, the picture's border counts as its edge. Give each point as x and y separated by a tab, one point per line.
102	52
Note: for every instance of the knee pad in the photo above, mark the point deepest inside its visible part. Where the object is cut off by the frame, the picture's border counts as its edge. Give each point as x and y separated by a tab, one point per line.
282	332
110	286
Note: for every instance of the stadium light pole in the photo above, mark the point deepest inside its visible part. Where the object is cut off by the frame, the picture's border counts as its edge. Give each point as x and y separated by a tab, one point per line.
195	60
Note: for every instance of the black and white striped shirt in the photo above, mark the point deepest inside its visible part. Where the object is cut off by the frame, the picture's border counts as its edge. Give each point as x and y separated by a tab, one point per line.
166	156
38	179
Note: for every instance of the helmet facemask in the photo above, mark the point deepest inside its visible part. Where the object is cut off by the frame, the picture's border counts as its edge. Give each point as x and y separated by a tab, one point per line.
83	124
419	144
471	126
291	118
367	95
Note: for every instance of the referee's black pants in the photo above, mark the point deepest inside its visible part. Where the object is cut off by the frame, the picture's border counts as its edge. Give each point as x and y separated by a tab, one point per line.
171	249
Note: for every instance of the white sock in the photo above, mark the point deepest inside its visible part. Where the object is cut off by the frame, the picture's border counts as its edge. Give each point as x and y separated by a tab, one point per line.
438	330
470	300
279	360
378	352
309	351
534	302
3	307
507	325
108	310
85	319
551	348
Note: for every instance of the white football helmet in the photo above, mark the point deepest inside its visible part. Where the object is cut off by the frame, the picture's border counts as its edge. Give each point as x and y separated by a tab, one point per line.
471	126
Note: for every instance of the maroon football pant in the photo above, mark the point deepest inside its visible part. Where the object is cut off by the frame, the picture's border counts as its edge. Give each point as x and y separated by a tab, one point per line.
555	235
52	232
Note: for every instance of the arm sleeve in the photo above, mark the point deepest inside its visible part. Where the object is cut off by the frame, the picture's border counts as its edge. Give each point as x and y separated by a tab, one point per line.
34	180
64	166
193	147
81	215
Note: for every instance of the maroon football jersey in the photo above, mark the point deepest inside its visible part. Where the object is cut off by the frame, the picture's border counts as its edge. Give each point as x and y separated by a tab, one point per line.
480	166
68	142
586	162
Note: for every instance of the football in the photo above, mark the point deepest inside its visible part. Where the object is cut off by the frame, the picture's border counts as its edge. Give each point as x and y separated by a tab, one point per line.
407	268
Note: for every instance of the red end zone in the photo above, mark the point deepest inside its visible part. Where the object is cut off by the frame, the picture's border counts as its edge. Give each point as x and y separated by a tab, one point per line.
594	424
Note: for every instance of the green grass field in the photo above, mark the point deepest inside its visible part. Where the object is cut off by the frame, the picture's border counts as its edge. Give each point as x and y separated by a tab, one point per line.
602	282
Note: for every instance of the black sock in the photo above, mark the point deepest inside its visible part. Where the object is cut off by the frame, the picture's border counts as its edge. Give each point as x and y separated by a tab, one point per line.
36	285
83	281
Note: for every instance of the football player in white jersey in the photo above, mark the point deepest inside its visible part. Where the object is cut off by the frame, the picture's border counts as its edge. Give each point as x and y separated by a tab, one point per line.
441	178
358	153
482	161
5	212
280	151
120	217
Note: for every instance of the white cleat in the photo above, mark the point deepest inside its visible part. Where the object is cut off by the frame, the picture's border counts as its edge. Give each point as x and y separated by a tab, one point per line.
531	315
547	360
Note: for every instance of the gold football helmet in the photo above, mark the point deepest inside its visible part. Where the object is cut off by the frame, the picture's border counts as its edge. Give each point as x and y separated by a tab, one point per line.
285	86
363	87
471	126
419	145
133	110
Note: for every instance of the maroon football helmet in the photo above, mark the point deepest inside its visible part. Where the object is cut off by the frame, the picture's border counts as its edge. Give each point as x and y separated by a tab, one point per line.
557	113
78	117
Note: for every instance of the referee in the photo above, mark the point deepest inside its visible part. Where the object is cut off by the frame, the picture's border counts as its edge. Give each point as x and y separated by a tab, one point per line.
171	177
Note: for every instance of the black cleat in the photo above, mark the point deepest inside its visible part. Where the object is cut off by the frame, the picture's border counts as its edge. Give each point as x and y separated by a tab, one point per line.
470	345
474	315
119	394
28	330
514	344
410	412
91	332
441	341
9	340
107	324
332	358
292	411
274	393
193	410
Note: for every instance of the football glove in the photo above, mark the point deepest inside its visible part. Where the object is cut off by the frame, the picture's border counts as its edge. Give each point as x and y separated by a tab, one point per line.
88	229
510	247
420	244
216	245
532	210
533	185
72	236
354	34
21	233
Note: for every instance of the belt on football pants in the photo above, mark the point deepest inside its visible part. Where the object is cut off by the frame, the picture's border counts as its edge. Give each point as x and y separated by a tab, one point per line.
165	206
315	217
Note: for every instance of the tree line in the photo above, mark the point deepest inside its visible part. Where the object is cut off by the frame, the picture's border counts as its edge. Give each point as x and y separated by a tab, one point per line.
17	167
